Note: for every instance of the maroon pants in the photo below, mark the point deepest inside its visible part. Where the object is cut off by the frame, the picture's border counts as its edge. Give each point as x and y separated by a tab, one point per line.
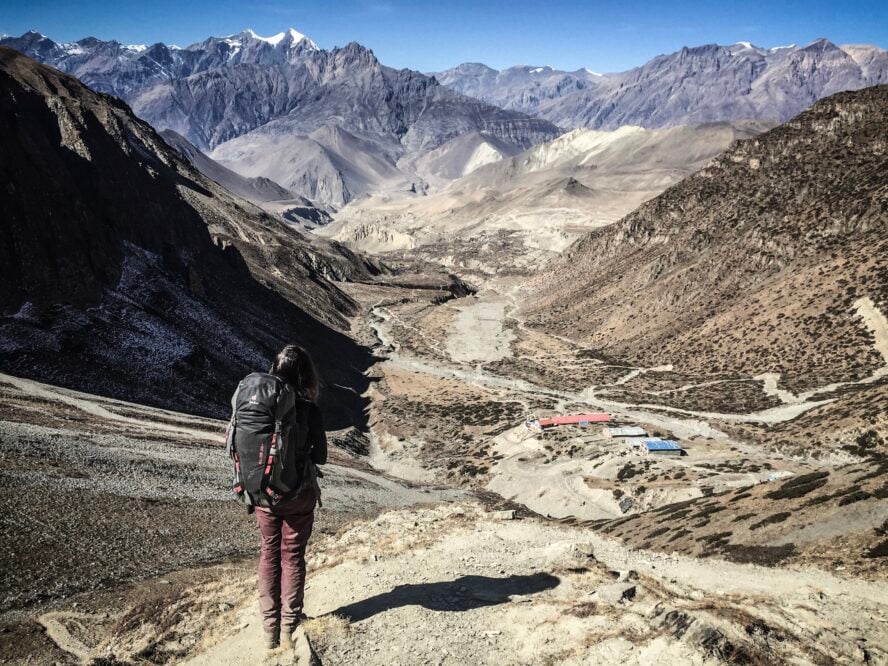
285	531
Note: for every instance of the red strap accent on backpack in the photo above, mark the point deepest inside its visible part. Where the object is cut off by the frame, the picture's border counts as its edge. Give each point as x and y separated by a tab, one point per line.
271	453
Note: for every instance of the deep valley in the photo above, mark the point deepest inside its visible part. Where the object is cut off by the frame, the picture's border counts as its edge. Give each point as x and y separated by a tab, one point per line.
603	358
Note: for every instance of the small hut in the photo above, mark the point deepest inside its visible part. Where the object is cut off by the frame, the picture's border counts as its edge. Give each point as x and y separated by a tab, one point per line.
575	419
624	431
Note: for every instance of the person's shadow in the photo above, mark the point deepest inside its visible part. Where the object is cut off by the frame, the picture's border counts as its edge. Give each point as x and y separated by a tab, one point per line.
464	593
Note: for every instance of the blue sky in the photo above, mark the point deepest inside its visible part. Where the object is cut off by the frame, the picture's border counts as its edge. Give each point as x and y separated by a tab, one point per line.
428	36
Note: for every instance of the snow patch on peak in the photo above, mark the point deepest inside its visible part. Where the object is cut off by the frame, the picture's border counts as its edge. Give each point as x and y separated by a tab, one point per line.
73	48
589	71
138	48
746	45
782	48
274	40
537	70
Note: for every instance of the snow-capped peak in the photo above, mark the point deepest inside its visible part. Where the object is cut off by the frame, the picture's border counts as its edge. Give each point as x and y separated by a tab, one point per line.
589	71
293	36
746	45
274	40
138	48
781	48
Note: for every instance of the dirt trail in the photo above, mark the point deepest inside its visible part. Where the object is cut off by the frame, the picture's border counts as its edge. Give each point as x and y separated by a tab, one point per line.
452	585
57	628
92	407
244	644
876	322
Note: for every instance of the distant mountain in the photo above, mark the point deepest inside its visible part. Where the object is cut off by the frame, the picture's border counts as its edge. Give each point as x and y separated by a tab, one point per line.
268	89
522	88
265	193
257	190
771	259
121	70
518	211
128	273
693	85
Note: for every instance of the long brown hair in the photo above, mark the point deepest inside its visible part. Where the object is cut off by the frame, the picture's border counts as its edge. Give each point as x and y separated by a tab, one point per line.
294	366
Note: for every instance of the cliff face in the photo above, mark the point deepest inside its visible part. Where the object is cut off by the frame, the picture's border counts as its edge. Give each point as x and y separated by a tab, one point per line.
127	273
767	260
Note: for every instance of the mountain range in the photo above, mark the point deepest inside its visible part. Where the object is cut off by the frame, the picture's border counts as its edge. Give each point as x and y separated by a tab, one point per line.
348	123
333	126
693	85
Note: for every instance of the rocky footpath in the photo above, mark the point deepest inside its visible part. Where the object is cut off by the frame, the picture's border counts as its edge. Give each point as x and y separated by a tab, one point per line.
458	584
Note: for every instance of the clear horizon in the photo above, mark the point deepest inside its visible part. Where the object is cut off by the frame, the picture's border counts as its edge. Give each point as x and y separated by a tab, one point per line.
563	35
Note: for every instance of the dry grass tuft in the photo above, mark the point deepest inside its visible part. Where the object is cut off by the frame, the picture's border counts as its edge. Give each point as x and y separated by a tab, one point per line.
326	630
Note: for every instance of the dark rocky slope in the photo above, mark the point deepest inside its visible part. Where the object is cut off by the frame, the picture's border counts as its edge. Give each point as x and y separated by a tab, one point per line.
127	273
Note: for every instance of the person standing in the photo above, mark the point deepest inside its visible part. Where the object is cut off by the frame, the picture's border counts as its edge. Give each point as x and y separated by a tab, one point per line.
276	440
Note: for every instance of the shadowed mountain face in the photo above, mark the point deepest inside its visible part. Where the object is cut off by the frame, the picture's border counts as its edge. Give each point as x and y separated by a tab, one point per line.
149	281
773	258
339	107
694	85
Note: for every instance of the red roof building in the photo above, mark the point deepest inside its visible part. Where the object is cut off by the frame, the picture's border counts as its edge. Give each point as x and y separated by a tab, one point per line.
575	419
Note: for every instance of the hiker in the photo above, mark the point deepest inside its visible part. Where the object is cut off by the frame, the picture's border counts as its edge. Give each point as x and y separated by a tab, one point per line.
276	438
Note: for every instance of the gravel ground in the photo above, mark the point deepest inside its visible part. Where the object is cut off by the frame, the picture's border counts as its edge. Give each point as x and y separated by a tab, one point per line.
86	508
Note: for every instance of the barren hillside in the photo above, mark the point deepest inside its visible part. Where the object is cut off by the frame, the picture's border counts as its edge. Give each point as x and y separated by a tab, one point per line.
772	261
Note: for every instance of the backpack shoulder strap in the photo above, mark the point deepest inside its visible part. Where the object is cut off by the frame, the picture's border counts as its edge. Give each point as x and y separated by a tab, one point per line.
232	424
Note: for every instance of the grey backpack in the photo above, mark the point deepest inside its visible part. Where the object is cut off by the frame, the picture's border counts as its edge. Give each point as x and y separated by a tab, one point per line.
268	441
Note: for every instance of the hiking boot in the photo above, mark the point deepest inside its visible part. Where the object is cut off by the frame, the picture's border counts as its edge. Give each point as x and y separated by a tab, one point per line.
272	638
287	636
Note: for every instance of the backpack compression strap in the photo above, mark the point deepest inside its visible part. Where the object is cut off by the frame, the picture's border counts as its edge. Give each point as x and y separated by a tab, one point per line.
269	464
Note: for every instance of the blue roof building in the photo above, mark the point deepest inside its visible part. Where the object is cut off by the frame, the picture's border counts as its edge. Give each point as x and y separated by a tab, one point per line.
667	446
